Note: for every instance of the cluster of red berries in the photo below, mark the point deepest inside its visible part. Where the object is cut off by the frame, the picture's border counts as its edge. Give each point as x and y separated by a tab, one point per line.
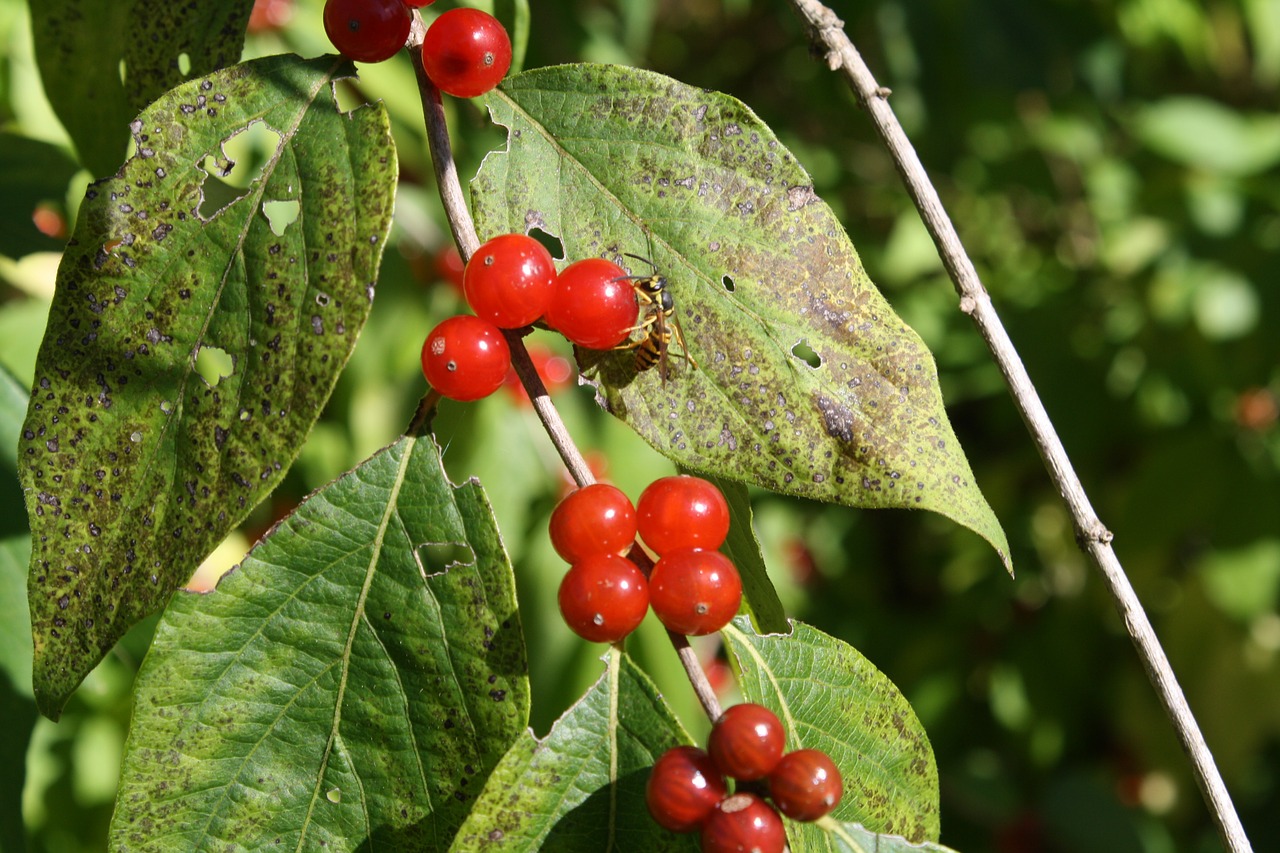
511	282
688	792
466	52
693	588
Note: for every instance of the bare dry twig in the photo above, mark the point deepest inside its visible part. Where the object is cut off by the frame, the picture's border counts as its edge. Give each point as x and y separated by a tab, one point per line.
828	34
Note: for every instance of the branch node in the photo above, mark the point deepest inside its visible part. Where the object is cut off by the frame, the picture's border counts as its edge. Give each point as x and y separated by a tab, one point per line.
883	92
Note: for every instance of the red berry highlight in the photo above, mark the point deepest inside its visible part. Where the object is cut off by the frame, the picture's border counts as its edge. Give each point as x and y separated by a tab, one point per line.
367	30
603	598
684	788
596	519
743	822
592	305
806	784
682	512
694	592
466	52
747	741
465	358
509	280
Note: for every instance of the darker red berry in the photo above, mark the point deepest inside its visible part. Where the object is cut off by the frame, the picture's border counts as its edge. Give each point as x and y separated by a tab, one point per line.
596	519
694	592
418	4
465	358
367	30
747	741
466	52
509	280
682	512
806	784
603	598
743	823
684	788
593	305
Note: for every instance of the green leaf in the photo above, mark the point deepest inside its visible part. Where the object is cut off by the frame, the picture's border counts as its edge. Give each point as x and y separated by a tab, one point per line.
1207	135
582	788
135	459
852	838
103	60
15	628
744	549
17	708
830	697
31	172
352	683
765	284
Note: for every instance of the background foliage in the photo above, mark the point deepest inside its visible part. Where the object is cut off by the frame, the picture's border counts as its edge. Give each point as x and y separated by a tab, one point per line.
1111	166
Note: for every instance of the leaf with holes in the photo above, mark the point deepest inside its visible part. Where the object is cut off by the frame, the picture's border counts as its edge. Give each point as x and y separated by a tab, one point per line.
806	382
830	697
340	690
190	347
581	790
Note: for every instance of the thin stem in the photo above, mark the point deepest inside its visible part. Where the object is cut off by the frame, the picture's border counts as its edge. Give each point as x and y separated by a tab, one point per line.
1095	539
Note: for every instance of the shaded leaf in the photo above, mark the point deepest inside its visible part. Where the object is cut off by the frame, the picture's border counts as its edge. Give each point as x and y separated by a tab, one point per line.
1205	134
852	838
352	683
31	172
167	37
136	458
17	708
582	788
830	697
765	282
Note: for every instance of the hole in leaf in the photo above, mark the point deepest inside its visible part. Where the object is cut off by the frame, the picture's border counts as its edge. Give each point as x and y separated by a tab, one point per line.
728	283
281	214
124	73
237	165
214	365
805	353
550	242
436	558
184	64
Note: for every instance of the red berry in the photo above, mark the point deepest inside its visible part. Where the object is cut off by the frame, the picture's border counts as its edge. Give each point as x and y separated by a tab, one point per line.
509	280
747	741
367	30
269	15
682	512
593	305
466	52
465	358
684	788
806	784
596	519
694	592
418	4
743	822
603	598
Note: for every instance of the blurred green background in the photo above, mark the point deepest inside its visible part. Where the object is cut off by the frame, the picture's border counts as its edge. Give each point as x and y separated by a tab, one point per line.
1112	168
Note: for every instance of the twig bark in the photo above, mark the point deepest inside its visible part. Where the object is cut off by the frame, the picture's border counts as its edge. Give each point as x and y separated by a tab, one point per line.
828	34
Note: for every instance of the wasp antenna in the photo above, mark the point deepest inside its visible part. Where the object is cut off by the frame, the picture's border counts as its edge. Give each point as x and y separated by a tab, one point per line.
651	264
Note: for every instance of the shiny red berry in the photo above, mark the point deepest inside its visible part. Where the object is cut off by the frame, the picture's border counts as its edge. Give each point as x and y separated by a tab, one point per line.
596	519
682	512
694	592
743	823
603	598
367	30
806	784
684	788
465	358
466	52
593	305
509	280
747	741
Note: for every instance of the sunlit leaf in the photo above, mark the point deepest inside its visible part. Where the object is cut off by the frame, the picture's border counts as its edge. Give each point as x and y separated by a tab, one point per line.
1208	135
807	382
135	464
352	683
830	697
581	790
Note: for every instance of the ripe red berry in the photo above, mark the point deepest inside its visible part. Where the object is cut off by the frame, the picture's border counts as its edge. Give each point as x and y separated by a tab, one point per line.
682	512
684	788
509	280
596	519
747	741
694	592
806	784
418	4
743	822
603	598
367	30
593	305
466	52
465	358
